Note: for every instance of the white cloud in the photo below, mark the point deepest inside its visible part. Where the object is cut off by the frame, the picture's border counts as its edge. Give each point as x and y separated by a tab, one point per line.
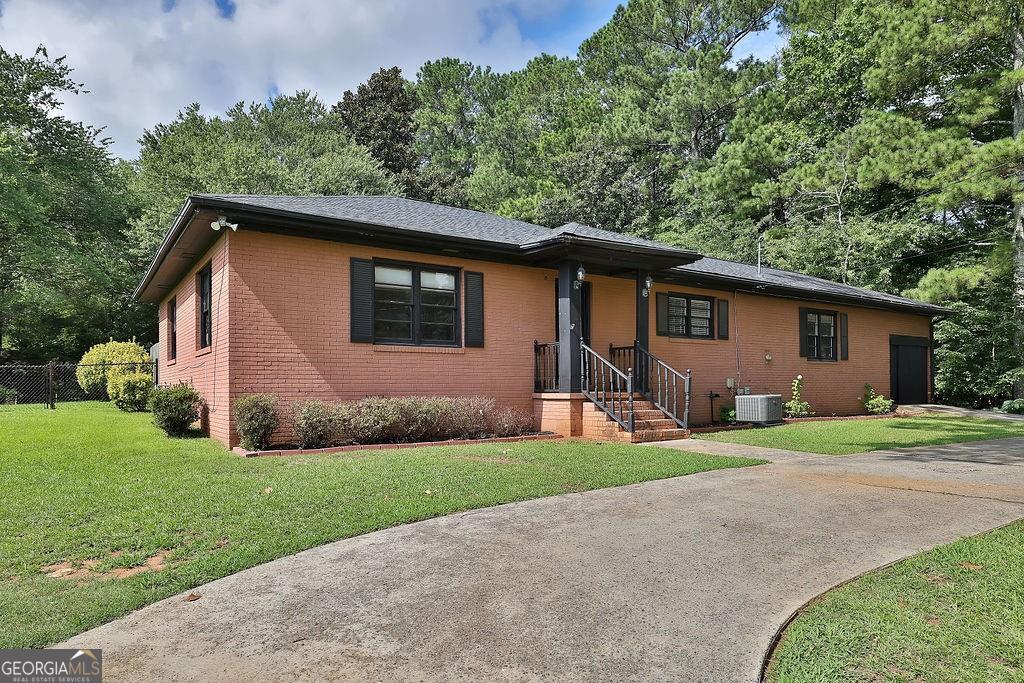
141	64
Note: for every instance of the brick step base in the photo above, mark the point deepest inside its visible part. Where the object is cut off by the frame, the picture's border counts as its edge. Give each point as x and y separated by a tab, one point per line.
651	424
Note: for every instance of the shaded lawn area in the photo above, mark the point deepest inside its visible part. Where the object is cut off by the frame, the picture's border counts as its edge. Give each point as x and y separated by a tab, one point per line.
952	614
842	437
89	484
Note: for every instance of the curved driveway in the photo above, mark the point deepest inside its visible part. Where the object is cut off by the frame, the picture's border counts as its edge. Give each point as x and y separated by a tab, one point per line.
683	579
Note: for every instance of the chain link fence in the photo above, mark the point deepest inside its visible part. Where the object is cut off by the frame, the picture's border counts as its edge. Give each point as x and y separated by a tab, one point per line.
53	383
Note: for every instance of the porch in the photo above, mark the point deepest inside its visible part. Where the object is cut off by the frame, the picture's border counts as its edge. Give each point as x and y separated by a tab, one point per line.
623	391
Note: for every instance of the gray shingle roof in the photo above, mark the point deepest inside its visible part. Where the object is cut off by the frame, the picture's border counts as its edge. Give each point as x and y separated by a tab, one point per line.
438	219
399	212
744	272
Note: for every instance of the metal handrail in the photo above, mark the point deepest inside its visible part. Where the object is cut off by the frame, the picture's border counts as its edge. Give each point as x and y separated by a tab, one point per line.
608	387
662	386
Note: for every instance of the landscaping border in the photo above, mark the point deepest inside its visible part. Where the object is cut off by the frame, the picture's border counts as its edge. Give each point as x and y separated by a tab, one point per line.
238	450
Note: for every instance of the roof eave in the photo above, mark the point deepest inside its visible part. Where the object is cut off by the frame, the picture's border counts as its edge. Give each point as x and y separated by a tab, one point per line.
761	287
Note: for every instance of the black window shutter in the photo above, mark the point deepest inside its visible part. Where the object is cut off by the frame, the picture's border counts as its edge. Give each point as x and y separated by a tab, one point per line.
803	332
361	300
723	318
844	337
662	314
474	309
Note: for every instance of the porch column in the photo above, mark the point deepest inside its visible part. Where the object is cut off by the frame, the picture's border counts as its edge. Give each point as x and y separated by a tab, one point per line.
570	327
643	327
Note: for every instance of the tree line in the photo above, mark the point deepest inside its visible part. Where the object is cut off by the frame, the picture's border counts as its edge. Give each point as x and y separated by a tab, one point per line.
880	148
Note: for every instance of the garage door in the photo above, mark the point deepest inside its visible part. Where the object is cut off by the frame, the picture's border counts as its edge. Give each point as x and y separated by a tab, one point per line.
909	369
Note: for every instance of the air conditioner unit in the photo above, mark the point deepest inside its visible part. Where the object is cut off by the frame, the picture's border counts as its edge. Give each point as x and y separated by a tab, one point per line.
759	408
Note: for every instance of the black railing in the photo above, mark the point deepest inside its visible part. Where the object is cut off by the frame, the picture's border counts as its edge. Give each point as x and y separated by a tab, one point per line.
663	385
545	366
608	387
656	380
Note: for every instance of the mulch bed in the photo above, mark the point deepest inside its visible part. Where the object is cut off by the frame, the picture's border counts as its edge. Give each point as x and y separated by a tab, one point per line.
238	450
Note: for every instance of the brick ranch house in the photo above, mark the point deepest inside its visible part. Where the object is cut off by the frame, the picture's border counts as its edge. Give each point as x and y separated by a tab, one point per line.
344	297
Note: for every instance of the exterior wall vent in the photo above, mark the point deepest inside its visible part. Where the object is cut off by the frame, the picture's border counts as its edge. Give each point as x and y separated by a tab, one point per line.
759	408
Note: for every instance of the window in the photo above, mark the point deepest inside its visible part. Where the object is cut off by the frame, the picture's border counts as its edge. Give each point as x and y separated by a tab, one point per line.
204	310
172	329
685	316
415	305
821	335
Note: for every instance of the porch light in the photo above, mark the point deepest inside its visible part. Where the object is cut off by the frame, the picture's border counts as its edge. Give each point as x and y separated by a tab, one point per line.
648	283
580	275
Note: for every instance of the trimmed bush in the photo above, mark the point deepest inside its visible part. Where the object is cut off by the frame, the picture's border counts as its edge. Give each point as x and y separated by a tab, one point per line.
255	420
796	406
876	404
511	422
107	360
1016	406
408	419
175	408
130	392
727	415
315	423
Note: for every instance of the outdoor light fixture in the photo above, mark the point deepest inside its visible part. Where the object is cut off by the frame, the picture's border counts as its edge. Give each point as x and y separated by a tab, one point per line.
580	274
648	283
767	356
222	222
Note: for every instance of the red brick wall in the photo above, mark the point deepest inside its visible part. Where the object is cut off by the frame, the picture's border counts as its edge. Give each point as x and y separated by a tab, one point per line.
290	328
761	325
287	302
206	369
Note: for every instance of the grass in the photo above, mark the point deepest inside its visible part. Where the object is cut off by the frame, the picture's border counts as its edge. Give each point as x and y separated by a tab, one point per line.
952	614
89	484
842	437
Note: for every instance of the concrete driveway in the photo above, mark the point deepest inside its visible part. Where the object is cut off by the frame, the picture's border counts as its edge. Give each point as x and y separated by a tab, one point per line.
684	579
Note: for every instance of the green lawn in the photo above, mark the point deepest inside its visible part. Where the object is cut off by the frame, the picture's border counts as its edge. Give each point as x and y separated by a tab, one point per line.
89	484
841	437
952	614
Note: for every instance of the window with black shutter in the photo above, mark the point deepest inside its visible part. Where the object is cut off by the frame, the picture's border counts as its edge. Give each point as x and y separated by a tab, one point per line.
172	329
204	287
680	315
414	304
821	335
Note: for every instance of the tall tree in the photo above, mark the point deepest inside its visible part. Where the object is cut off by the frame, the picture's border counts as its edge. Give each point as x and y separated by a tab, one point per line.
291	146
379	116
64	279
452	96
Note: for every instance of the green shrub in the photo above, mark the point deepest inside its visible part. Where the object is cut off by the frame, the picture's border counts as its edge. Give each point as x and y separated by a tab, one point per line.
130	392
255	420
1015	406
175	408
405	419
315	423
796	406
876	404
727	415
511	422
107	360
8	395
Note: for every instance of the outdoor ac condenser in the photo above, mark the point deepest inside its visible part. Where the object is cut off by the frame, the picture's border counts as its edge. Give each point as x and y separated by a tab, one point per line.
759	408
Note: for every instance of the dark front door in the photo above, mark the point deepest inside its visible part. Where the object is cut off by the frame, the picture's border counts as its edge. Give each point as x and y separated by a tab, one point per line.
584	311
909	369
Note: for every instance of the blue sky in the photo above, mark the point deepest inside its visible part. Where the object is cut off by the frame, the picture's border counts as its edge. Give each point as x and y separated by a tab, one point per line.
143	60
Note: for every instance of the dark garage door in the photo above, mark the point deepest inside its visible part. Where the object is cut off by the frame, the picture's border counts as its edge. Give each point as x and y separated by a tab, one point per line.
909	369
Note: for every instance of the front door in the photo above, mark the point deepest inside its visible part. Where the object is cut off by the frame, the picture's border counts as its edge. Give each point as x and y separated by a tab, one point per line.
584	311
909	369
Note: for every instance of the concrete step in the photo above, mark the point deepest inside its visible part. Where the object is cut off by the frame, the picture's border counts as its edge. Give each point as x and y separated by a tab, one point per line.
659	435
